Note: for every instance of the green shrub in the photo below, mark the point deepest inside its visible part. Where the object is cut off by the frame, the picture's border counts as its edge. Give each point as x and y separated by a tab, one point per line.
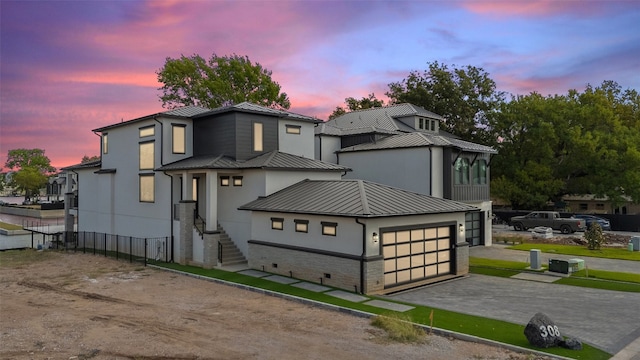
594	237
399	328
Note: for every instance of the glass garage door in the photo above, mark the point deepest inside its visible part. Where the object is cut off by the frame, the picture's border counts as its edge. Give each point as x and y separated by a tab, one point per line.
416	254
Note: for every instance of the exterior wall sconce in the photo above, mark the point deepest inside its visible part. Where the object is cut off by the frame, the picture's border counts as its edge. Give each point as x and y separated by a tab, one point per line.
375	237
461	229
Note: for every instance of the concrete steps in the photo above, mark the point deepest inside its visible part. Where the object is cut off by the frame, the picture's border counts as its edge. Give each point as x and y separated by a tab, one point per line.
229	252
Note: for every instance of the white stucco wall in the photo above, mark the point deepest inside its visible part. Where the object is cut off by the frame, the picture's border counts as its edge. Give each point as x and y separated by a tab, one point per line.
407	169
325	148
296	144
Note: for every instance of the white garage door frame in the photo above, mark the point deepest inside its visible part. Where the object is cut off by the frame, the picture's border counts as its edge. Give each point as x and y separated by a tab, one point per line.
415	253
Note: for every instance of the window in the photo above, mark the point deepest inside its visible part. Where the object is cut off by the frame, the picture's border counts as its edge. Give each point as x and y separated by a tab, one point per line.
461	172
480	172
420	123
178	138
237	181
277	223
224	181
600	206
329	228
105	143
147	131
257	137
146	155
293	129
433	125
302	225
147	188
584	206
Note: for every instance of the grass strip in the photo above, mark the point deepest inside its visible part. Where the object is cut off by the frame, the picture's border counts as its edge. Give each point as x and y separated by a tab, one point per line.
607	253
496	330
599	284
7	226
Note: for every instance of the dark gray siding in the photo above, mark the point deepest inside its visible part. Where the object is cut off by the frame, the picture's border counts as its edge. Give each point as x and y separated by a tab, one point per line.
215	135
463	192
244	135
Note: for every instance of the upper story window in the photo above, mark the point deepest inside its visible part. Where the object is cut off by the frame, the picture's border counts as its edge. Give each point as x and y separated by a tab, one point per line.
480	172
178	138
422	123
293	129
461	172
258	137
147	131
105	143
224	181
237	181
147	155
433	125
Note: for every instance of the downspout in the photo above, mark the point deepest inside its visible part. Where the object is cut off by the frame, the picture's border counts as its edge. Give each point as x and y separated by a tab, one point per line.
170	182
430	172
364	253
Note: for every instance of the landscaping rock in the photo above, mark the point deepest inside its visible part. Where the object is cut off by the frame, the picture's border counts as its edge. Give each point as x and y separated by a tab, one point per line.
542	332
571	344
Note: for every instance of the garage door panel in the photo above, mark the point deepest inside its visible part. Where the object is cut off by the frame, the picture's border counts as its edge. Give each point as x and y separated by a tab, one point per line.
416	254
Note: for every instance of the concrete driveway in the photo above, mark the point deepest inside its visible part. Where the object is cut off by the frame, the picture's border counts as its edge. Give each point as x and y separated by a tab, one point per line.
609	320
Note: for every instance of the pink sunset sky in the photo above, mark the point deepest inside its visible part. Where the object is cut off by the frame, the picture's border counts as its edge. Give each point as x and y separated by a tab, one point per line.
67	67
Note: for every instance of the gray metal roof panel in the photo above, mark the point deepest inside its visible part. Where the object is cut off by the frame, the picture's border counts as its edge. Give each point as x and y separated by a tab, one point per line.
259	109
469	146
281	160
201	162
414	139
186	111
356	198
85	165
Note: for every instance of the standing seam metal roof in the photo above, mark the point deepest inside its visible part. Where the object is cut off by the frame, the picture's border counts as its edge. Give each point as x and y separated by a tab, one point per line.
418	139
355	198
272	160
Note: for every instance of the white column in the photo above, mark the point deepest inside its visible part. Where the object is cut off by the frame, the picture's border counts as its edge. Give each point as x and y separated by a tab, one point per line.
187	186
211	180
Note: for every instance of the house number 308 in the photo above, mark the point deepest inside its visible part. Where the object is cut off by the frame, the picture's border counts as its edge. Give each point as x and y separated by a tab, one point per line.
549	330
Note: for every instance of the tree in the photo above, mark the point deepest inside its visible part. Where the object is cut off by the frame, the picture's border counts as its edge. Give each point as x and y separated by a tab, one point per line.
86	159
32	168
354	104
219	81
466	97
578	143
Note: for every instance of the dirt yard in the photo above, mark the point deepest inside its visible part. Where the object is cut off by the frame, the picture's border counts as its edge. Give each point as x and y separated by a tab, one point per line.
56	305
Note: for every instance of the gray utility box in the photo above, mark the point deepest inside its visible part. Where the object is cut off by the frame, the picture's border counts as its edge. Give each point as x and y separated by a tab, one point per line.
559	266
536	261
635	241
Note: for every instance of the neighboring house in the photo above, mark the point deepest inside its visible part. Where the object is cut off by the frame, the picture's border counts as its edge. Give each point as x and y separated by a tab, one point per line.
225	185
402	146
591	204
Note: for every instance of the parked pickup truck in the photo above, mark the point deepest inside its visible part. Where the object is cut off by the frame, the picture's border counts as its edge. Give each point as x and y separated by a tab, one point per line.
550	219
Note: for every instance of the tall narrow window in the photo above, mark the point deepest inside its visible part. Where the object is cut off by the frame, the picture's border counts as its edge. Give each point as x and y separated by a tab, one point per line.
147	188
257	137
147	155
105	143
479	172
461	171
178	138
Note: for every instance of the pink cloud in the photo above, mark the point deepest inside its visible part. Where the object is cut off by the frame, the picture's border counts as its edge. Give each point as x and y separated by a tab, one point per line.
543	8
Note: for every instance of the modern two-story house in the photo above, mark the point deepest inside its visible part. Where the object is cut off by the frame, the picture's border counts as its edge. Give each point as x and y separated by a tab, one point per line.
242	183
402	146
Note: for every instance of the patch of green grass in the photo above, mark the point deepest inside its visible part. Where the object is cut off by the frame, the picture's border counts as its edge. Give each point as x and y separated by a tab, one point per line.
599	284
468	324
608	275
399	327
7	226
608	253
492	272
495	263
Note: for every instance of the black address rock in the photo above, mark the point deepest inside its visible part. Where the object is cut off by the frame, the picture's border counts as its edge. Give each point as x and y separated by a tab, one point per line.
542	332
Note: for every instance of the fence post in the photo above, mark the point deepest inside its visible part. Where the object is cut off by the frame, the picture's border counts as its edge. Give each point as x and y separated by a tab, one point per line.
130	249
117	247
145	251
105	245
